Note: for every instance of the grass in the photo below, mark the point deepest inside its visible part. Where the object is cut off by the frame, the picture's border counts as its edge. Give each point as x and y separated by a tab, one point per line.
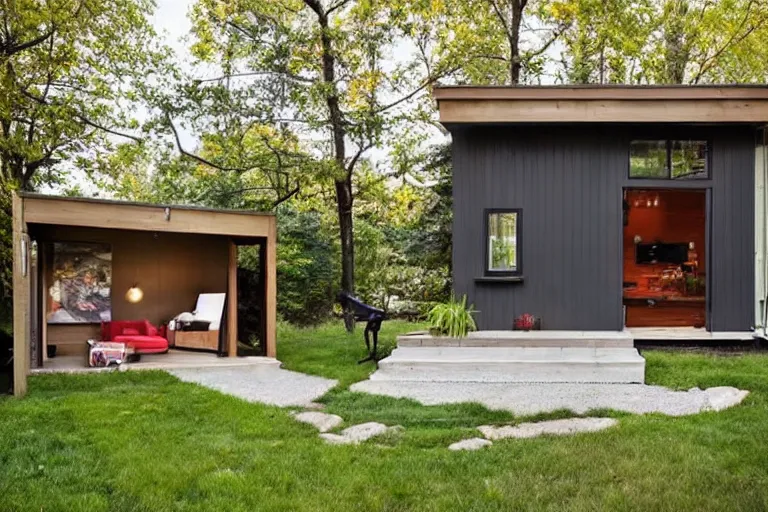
145	441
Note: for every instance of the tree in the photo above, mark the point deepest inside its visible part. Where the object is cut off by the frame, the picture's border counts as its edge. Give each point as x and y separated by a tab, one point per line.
505	41
68	69
695	42
322	67
63	80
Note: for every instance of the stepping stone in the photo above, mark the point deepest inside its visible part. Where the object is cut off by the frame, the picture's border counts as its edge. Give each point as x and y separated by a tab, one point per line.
336	439
723	397
320	420
358	433
554	427
470	444
364	431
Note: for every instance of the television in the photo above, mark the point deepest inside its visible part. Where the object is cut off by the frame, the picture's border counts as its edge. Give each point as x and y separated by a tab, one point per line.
658	252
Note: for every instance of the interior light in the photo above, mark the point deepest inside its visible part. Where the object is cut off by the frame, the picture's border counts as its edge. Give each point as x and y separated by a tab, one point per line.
134	294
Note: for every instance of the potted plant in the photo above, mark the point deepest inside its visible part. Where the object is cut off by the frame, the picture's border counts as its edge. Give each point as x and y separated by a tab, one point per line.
452	318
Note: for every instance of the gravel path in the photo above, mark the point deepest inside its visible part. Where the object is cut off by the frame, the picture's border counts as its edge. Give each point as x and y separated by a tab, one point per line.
260	383
579	398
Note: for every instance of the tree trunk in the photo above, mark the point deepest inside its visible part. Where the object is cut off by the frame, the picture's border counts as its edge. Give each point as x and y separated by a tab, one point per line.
344	198
344	207
515	61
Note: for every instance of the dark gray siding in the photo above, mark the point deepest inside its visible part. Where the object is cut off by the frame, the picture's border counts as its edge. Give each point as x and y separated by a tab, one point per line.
732	268
568	181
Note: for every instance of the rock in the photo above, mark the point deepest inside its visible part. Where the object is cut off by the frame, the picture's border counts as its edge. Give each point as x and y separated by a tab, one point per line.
470	444
336	439
364	431
358	433
320	420
723	397
555	427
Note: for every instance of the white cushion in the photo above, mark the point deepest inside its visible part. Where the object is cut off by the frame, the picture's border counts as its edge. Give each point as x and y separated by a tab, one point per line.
210	308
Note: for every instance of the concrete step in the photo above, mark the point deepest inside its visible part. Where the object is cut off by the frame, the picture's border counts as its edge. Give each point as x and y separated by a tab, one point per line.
560	339
512	364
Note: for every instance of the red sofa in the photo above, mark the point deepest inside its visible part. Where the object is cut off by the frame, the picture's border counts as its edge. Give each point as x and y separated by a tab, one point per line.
140	335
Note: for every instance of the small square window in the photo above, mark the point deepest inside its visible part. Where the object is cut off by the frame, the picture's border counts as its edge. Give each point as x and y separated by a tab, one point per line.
689	160
648	159
503	241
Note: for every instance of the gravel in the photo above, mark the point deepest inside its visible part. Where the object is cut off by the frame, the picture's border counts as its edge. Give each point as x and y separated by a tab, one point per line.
579	398
267	384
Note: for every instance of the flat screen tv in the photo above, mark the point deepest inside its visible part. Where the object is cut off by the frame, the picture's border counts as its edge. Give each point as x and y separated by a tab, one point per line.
675	254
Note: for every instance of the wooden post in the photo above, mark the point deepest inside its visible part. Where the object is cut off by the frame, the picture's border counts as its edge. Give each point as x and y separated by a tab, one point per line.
270	301
232	301
21	271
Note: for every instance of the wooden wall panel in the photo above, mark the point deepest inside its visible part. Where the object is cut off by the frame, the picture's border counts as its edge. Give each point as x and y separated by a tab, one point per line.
171	269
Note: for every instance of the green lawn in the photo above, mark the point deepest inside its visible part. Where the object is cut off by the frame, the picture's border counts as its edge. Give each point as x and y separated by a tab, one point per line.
145	441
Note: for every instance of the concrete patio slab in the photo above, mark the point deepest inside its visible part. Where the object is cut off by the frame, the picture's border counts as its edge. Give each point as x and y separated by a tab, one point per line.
266	384
537	398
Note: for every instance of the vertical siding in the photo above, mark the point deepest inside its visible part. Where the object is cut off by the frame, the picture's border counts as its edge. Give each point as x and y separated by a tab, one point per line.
569	181
569	187
732	279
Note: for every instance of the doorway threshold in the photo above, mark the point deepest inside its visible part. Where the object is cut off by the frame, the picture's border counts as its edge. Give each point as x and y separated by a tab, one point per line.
686	334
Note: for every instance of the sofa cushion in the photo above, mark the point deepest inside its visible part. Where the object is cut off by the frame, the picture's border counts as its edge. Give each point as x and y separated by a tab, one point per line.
130	331
144	343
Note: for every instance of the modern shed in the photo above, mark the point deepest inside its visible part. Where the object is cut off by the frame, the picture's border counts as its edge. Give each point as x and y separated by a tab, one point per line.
605	208
80	262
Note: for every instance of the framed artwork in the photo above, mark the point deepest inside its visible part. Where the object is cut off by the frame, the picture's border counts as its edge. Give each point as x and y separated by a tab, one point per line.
81	282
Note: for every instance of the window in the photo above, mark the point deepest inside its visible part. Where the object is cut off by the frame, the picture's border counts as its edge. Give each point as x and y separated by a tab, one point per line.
503	242
668	159
648	159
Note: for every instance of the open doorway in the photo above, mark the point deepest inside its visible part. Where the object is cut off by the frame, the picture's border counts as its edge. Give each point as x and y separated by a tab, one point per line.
665	261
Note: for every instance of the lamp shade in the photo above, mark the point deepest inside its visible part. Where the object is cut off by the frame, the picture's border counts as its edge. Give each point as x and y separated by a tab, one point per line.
134	294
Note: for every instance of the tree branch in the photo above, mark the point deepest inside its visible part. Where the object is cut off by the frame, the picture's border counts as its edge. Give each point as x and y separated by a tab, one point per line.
193	156
337	5
286	197
416	91
12	50
501	16
709	62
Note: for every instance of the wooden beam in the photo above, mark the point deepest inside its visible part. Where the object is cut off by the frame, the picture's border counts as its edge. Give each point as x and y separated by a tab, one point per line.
601	92
232	301
603	111
21	271
119	215
270	301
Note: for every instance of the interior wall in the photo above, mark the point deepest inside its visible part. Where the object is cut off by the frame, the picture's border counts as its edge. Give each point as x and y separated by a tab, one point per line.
680	217
171	269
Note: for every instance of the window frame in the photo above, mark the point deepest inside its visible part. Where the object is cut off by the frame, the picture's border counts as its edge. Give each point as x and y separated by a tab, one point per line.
669	142
488	272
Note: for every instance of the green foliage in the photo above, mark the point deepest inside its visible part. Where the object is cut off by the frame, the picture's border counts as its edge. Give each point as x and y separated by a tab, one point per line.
69	72
6	261
452	318
307	268
667	41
